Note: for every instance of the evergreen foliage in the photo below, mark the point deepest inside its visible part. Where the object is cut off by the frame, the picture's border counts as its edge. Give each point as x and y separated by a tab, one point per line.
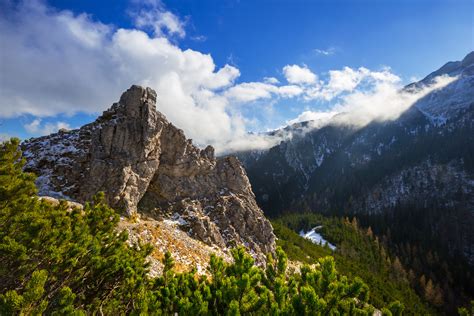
429	250
59	260
358	253
463	311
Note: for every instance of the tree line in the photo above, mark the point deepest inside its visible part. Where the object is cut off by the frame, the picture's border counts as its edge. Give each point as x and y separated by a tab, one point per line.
59	260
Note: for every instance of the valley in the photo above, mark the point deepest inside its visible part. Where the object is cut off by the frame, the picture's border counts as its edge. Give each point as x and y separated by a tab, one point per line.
410	180
237	158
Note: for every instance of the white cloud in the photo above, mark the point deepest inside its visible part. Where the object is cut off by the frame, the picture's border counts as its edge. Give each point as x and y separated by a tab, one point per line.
325	52
253	91
199	38
384	101
317	116
252	142
250	91
347	80
299	75
35	127
153	15
271	80
290	91
54	62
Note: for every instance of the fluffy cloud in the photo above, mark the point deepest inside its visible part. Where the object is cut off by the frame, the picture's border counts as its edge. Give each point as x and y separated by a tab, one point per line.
55	62
36	127
271	80
151	14
251	91
383	100
299	75
290	91
347	80
313	116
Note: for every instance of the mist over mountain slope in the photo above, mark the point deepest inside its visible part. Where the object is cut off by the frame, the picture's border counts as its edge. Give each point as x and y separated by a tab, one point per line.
411	178
286	174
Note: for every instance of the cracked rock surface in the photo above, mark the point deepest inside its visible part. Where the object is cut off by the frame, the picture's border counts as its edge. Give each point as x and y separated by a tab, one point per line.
145	164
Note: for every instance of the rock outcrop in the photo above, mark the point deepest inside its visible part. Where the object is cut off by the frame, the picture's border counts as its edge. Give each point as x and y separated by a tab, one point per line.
146	165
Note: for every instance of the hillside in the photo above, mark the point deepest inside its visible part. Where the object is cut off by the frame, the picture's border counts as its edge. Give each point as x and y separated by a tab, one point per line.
357	253
411	179
153	175
58	259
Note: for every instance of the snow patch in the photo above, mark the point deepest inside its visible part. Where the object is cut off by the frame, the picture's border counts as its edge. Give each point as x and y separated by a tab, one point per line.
316	238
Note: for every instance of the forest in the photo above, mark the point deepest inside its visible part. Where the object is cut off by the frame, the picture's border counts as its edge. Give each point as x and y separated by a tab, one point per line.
426	281
59	260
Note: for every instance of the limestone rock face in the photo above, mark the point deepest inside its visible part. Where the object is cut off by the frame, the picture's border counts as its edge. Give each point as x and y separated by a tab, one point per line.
145	164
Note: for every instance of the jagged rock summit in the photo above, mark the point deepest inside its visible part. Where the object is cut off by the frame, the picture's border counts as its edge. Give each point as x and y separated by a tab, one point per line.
145	164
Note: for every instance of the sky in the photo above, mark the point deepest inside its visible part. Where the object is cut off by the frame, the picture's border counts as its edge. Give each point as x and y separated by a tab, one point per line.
221	69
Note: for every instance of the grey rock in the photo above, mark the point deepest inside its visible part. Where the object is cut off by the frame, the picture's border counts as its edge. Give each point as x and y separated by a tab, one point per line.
145	164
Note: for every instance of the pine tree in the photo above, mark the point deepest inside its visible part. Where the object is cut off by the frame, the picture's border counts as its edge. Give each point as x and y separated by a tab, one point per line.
369	232
463	311
398	269
429	291
56	260
30	302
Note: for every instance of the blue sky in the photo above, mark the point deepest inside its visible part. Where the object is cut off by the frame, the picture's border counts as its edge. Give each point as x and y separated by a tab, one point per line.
255	39
411	36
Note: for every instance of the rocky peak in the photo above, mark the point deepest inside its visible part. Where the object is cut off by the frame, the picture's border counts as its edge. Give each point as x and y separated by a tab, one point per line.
468	60
452	68
146	165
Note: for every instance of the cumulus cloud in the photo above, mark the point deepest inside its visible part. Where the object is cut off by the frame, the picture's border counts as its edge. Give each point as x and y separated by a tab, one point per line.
56	62
299	75
151	14
290	91
271	80
36	127
251	91
347	80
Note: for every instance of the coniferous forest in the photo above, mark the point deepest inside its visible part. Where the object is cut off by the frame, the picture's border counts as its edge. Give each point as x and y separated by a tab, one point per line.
237	157
59	260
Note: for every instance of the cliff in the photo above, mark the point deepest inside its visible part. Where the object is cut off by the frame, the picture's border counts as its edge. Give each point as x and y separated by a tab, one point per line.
147	167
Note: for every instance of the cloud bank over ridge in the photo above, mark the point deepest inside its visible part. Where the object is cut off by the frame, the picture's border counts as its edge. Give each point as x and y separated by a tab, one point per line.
56	62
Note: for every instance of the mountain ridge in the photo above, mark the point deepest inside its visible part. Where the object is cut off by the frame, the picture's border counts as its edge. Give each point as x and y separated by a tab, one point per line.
146	166
410	180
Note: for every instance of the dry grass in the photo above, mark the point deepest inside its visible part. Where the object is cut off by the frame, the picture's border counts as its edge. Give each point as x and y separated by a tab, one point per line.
165	235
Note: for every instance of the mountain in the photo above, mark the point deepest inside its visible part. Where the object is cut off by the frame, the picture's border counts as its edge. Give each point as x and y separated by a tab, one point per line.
425	154
411	179
151	172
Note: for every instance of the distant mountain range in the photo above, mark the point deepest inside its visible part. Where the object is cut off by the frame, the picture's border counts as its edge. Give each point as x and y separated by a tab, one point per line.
423	160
